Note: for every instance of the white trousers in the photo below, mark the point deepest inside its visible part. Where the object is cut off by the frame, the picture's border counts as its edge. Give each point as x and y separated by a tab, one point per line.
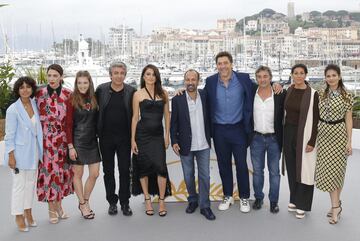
23	191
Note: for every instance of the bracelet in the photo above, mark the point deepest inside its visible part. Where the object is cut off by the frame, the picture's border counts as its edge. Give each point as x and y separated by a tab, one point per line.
71	148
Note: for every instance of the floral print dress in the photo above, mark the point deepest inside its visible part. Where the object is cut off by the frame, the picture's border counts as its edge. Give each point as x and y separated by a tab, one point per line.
55	174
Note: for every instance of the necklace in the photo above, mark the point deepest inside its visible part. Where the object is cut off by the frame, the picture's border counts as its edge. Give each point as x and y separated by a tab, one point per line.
26	105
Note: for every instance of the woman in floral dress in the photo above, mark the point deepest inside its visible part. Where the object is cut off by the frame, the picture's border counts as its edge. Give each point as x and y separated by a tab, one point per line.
55	174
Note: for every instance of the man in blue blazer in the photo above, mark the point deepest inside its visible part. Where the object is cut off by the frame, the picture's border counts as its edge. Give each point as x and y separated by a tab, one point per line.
190	137
230	105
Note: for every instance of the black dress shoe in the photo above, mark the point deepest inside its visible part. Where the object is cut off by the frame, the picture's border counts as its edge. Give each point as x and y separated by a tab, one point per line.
257	204
207	213
274	207
126	210
112	209
191	207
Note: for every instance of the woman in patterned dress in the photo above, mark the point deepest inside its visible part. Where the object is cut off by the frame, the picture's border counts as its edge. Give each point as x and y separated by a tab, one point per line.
55	174
334	143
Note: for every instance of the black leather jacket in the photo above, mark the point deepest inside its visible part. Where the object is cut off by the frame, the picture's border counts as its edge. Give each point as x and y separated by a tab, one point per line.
103	94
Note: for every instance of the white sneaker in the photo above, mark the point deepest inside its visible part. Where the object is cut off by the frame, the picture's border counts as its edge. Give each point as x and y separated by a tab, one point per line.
300	214
244	205
291	207
225	204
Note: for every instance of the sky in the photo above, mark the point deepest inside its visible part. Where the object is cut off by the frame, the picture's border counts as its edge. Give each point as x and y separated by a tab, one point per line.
36	23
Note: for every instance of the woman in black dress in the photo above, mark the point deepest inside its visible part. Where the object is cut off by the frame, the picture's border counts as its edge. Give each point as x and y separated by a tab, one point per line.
81	136
148	141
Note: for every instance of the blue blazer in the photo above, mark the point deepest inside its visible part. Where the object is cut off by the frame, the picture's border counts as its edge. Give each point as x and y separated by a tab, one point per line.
180	128
246	83
20	135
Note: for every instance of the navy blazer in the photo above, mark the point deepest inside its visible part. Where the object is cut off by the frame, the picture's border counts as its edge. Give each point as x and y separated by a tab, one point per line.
180	128
246	83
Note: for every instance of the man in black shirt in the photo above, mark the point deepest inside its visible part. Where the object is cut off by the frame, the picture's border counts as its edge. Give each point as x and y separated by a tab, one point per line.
113	128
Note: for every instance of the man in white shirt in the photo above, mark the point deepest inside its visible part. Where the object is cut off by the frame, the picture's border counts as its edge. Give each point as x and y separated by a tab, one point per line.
190	137
267	138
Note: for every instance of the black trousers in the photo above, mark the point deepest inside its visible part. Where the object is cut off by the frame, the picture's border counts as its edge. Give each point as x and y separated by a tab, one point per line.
300	194
108	147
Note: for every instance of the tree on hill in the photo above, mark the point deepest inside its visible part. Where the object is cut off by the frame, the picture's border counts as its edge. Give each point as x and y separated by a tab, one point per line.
342	13
315	14
355	16
329	13
267	13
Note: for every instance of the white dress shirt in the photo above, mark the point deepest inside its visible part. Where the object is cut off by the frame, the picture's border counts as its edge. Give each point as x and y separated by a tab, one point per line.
264	114
198	138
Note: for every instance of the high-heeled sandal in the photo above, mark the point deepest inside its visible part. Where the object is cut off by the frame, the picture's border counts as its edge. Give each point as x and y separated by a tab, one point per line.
30	224
329	214
332	220
62	214
53	220
149	212
88	216
22	229
33	224
162	213
87	201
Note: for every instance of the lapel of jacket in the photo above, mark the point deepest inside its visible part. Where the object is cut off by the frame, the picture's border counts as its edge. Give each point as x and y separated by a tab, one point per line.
237	75
213	80
203	102
276	107
126	98
36	113
183	102
24	115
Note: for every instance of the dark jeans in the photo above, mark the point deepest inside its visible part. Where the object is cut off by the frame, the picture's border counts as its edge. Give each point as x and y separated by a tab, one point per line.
203	164
300	194
108	147
259	146
231	140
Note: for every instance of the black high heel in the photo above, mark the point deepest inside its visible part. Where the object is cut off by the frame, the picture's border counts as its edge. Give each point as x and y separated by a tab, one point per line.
332	220
163	212
149	212
88	216
329	214
87	201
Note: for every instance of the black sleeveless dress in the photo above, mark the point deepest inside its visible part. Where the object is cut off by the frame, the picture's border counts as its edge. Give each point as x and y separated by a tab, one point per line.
85	141
151	158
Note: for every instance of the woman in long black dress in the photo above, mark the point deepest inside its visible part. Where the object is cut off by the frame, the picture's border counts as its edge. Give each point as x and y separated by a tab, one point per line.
148	141
300	131
81	136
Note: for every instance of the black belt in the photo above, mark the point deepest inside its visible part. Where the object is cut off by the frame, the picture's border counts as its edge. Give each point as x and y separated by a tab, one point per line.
265	135
332	122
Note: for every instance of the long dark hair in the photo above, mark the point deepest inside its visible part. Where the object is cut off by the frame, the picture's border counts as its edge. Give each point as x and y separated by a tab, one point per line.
78	100
158	91
341	85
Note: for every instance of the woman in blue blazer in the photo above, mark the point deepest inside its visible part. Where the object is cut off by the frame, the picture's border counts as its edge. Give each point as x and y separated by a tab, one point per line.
23	150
